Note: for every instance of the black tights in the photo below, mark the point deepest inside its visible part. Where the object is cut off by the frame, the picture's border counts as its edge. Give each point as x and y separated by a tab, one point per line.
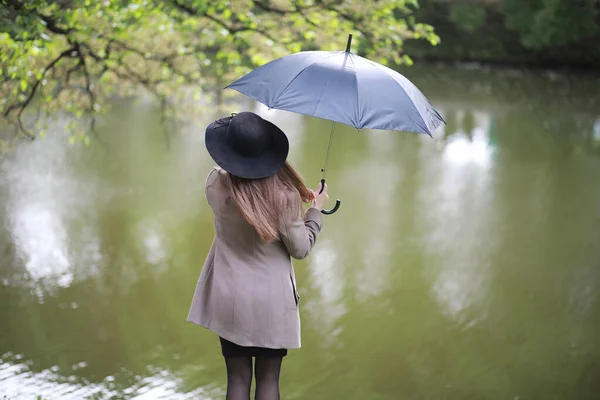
239	377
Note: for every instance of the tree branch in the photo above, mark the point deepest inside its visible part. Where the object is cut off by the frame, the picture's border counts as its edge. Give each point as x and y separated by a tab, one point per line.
24	103
192	11
231	29
88	89
52	26
50	23
71	70
354	19
185	8
21	106
267	7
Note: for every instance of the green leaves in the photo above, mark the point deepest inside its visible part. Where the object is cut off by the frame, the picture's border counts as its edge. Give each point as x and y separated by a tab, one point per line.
73	56
544	23
467	16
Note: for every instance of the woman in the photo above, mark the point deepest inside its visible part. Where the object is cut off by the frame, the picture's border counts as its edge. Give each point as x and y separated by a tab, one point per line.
247	293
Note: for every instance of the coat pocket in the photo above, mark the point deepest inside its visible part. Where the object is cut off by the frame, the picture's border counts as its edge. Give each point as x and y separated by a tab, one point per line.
294	291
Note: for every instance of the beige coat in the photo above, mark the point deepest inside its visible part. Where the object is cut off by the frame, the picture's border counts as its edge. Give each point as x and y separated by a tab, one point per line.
246	292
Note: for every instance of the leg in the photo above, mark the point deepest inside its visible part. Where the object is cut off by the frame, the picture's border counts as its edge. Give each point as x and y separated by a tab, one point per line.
239	377
267	377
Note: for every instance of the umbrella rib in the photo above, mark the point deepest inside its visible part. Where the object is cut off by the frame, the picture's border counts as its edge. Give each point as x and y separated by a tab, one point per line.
383	69
349	55
358	116
427	131
292	81
321	96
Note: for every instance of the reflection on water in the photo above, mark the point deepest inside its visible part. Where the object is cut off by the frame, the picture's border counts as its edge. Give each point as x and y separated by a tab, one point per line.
459	267
19	382
473	147
40	236
458	216
380	176
325	304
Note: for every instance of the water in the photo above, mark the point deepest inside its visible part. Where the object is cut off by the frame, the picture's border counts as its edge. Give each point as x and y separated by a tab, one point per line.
461	267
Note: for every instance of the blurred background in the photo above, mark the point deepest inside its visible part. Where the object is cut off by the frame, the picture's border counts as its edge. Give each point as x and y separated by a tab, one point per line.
463	266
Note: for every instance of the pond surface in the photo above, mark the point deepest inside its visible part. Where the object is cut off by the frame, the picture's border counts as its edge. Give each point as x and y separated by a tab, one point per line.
466	266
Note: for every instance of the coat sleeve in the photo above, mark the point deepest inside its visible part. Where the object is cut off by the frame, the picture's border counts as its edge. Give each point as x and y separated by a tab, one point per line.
299	234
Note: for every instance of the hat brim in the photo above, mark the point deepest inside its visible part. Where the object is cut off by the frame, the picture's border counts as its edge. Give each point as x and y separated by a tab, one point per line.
262	166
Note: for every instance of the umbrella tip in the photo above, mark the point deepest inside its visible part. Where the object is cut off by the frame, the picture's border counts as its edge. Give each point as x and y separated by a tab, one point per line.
349	43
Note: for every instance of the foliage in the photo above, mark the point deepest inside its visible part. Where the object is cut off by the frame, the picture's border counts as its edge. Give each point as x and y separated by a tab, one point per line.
467	16
74	55
542	23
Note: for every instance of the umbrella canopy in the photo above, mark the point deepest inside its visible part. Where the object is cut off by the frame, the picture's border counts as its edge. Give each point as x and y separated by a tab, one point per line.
342	87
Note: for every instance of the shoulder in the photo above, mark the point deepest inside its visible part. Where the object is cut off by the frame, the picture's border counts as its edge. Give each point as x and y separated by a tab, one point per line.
288	195
290	202
215	176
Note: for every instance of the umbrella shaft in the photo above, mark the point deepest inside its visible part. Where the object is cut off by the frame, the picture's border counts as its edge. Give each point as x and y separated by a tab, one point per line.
324	170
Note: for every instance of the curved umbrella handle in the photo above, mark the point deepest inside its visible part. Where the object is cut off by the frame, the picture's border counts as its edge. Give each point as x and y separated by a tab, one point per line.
337	202
334	209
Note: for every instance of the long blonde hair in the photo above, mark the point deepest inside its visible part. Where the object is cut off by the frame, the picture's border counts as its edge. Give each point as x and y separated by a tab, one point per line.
259	200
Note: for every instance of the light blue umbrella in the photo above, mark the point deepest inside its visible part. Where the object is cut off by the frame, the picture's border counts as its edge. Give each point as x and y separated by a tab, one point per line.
341	87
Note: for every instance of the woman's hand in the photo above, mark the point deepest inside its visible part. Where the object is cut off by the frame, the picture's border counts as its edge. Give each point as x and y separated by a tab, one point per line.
319	200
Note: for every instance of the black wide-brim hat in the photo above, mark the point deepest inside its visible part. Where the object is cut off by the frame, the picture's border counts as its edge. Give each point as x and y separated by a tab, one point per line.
247	146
